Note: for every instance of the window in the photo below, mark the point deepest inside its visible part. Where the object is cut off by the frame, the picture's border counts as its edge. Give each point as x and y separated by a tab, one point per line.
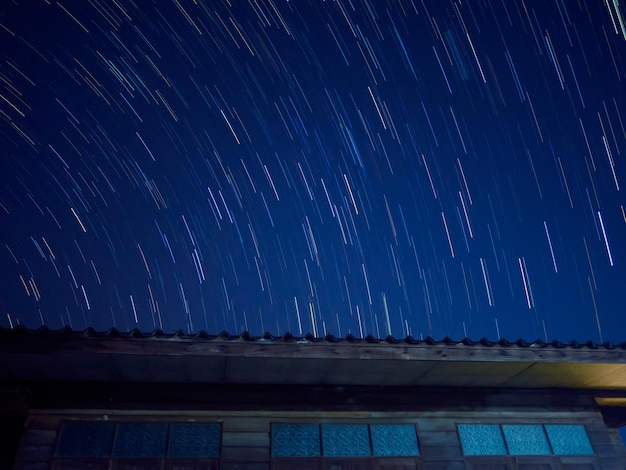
98	442
140	440
344	440
394	440
296	440
569	439
524	439
85	439
194	440
481	439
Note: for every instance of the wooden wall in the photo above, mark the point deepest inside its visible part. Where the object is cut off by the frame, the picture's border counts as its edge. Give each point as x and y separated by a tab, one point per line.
246	438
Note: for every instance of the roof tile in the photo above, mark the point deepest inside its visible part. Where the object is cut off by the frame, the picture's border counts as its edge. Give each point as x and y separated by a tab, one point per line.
202	335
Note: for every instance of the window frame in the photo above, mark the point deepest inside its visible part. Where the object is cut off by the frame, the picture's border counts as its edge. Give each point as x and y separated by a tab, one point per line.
543	425
61	459
325	457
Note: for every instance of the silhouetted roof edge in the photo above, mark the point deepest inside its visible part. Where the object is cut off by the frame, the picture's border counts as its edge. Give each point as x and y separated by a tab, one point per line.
202	335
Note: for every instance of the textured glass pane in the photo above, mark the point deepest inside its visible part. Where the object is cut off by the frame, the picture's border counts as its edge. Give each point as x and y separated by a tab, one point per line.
526	439
140	440
194	440
569	439
394	439
295	440
345	440
481	439
85	439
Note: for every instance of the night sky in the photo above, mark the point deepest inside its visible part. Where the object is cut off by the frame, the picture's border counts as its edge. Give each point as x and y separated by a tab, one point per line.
408	167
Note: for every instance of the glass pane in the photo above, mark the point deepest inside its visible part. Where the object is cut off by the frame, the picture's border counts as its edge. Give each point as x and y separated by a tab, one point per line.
295	440
345	440
525	439
394	439
569	439
481	439
140	440
194	440
85	439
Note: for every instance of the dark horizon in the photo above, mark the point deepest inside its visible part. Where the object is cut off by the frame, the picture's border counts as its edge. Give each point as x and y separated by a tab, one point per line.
348	167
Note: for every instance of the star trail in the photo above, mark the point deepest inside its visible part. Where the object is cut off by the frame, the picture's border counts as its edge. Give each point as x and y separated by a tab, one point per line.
393	167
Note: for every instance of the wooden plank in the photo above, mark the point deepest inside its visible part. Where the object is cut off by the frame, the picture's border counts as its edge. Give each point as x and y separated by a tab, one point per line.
81	464
517	413
579	375
576	459
536	462
346	464
245	439
198	360
441	453
137	464
616	439
446	438
579	466
33	453
246	454
599	438
485	373
377	372
296	464
251	424
597	424
244	466
231	397
444	466
38	344
536	466
488	462
191	464
396	460
607	451
427	419
614	464
39	437
395	466
433	425
252	369
39	421
512	414
291	398
31	466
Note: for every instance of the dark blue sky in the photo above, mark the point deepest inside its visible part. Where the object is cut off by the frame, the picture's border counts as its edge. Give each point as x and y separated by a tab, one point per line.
433	168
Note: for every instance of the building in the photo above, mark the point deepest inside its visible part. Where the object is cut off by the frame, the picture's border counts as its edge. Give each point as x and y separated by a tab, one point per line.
175	401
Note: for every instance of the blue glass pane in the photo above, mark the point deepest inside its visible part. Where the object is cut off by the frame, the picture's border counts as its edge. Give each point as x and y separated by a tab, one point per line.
295	440
345	440
481	439
526	439
85	439
194	440
140	440
394	439
569	439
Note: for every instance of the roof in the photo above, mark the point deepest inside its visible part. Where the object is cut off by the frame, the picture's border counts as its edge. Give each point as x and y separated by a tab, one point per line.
68	332
88	355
